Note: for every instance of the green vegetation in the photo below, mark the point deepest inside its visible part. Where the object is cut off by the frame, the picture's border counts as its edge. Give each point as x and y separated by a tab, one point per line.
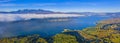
63	38
25	39
107	31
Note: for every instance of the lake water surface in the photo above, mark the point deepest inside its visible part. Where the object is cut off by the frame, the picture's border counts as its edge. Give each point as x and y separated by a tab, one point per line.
47	27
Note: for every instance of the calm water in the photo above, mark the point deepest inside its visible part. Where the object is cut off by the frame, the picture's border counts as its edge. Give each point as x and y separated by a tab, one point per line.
46	27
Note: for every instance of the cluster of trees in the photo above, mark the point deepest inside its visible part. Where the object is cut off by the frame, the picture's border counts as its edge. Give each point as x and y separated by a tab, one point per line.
64	38
59	38
24	39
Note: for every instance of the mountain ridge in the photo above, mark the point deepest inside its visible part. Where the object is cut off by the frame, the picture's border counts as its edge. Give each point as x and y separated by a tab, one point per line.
30	11
42	11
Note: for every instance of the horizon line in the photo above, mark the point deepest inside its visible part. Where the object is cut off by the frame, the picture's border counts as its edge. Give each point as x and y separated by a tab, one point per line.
61	11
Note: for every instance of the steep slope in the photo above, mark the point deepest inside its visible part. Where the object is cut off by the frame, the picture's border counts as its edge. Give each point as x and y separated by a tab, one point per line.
24	39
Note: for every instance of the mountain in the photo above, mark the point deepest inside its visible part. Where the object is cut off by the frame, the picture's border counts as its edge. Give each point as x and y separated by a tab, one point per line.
30	11
41	11
96	14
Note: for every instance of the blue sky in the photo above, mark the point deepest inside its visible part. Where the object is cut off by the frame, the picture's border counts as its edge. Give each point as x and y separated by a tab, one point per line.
62	5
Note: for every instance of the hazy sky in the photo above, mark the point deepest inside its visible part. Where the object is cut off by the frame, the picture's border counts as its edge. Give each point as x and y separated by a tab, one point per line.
62	5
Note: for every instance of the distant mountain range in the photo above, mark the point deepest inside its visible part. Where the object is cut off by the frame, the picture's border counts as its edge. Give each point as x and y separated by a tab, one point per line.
30	11
41	11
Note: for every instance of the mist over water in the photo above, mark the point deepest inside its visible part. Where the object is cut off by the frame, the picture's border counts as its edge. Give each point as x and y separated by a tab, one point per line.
44	25
15	17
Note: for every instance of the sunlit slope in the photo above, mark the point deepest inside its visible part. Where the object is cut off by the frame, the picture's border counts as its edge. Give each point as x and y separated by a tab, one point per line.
107	31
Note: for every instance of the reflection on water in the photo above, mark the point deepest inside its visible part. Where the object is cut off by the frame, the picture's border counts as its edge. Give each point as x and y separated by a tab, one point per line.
46	27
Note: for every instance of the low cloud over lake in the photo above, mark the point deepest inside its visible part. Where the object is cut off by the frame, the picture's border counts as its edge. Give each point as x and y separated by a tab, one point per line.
14	17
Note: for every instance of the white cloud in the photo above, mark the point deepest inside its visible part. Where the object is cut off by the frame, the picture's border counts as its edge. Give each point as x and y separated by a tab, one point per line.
13	5
14	17
7	4
34	4
43	4
5	0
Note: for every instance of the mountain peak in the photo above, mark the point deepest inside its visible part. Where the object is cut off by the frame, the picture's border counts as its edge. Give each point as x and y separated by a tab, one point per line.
29	11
